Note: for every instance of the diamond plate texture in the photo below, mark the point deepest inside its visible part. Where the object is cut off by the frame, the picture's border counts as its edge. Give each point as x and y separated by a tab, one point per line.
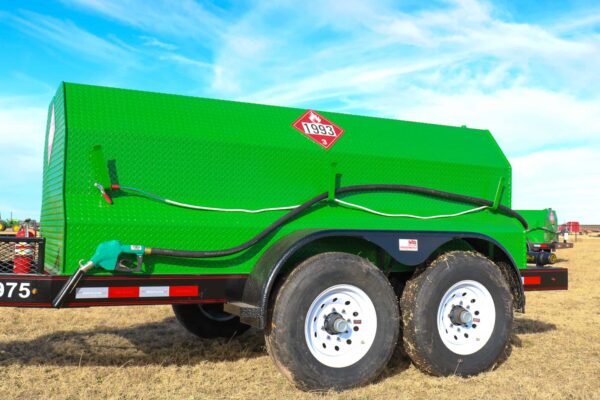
230	154
53	206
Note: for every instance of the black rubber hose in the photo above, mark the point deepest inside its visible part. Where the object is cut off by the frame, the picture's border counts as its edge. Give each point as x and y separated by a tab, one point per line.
345	190
219	253
433	193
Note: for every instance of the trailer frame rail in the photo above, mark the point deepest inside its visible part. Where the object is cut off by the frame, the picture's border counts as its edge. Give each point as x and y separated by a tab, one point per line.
26	290
545	278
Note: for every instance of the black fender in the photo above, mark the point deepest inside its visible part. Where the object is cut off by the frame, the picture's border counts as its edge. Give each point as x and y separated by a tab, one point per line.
261	280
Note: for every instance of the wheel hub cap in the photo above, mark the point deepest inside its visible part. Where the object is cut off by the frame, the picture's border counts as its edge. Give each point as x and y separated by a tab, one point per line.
466	317
461	316
340	326
335	323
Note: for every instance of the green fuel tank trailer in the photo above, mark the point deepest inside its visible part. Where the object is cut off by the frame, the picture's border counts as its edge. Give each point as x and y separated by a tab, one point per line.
543	225
542	235
233	155
329	231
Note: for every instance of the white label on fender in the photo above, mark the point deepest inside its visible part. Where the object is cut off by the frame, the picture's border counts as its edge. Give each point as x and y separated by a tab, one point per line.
92	293
409	245
154	291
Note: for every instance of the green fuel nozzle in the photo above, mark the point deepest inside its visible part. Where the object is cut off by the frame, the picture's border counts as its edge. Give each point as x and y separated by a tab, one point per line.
106	257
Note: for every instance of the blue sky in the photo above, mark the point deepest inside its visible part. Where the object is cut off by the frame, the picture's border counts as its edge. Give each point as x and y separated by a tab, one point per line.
528	71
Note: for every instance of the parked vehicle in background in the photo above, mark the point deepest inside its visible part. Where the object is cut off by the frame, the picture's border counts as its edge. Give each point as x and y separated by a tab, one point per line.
571	227
543	237
9	224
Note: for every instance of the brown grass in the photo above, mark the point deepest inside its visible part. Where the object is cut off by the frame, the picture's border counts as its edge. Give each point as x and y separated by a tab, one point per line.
142	353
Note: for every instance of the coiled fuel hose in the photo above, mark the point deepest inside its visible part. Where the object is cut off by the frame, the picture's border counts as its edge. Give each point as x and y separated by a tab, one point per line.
295	211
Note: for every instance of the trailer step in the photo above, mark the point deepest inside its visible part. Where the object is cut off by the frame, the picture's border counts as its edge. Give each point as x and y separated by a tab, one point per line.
248	313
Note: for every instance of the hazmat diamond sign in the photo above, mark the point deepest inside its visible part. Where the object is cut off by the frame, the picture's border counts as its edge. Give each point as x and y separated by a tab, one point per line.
318	128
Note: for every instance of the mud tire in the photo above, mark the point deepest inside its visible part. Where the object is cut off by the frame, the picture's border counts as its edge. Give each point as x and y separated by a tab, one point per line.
419	307
285	333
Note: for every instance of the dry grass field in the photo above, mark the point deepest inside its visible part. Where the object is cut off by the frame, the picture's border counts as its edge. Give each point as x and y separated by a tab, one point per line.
141	352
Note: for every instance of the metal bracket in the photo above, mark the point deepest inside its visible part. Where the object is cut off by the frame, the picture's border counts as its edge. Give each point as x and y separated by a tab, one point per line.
499	193
333	183
99	166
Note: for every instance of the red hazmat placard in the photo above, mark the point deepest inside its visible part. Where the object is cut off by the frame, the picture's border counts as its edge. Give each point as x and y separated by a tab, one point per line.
318	128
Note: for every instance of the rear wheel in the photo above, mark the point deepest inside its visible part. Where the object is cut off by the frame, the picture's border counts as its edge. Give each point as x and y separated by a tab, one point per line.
457	315
333	323
208	320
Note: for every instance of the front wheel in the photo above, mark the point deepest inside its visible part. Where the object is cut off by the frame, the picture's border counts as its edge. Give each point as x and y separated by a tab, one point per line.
457	315
334	323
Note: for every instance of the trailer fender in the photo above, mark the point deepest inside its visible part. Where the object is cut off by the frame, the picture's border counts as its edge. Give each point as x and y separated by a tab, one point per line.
407	247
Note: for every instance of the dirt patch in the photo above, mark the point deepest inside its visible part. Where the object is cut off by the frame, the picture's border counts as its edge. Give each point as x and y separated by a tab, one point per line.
141	352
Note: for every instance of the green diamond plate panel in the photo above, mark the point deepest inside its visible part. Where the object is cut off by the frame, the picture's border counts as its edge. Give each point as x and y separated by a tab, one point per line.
230	154
53	206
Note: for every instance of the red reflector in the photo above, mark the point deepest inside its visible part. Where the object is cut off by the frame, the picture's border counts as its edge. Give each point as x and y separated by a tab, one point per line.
123	292
183	291
532	280
544	246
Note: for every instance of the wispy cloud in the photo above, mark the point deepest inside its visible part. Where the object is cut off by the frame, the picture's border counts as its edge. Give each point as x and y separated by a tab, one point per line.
66	35
522	119
182	18
154	42
22	147
359	79
564	179
380	37
20	128
187	61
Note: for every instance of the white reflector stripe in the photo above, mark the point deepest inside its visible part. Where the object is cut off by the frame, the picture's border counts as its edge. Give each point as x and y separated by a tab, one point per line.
92	293
154	291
